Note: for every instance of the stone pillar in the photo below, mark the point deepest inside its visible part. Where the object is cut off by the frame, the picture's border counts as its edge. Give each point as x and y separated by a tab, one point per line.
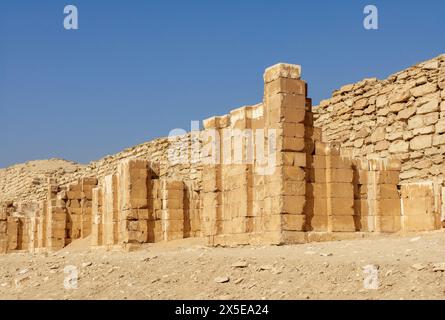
173	209
3	228
110	210
388	205
74	211
155	226
340	194
236	173
41	227
97	218
380	200
13	233
442	216
211	178
87	185
285	115
56	221
418	206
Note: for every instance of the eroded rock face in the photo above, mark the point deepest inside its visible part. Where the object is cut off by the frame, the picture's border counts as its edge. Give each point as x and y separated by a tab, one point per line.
409	107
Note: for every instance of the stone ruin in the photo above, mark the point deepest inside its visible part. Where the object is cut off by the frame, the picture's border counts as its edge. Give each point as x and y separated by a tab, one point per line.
265	176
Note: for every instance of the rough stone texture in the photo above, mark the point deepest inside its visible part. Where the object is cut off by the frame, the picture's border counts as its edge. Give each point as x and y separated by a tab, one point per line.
400	117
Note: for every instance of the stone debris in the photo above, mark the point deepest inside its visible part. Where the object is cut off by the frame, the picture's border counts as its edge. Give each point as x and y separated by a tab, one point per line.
264	267
439	267
222	279
240	264
326	254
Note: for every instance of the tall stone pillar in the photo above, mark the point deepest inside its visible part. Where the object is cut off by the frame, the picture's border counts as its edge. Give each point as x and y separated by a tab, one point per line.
87	185
56	221
135	208
110	210
211	179
3	228
97	217
173	209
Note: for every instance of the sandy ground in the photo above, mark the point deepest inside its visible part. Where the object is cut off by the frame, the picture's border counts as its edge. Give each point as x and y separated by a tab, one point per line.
409	267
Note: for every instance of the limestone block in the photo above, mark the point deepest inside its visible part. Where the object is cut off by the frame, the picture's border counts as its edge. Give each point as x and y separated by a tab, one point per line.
136	214
388	207
293	222
88	181
341	223
316	190
443	205
340	206
317	223
319	162
406	113
401	96
440	126
417	206
291	144
424	89
74	195
418	222
439	140
430	106
388	177
338	162
316	207
340	190
290	102
134	183
285	204
421	142
293	173
297	159
282	70
293	130
388	223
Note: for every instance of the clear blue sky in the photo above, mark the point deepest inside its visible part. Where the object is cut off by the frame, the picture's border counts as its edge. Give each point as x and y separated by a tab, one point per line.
137	69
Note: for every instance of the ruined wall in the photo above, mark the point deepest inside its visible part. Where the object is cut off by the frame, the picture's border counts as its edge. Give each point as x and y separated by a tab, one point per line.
401	117
258	175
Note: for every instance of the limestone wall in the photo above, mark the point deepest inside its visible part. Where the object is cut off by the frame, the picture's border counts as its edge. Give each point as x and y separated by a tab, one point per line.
401	117
258	175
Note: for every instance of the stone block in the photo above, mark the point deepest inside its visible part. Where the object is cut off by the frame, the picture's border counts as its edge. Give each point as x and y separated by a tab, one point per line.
282	70
285	86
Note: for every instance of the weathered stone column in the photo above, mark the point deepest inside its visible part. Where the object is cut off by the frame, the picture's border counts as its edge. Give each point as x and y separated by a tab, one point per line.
211	179
3	228
379	206
135	210
418	206
173	209
41	228
97	217
110	210
87	185
56	221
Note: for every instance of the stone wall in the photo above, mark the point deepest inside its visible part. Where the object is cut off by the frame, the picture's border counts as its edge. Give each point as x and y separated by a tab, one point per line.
258	175
401	117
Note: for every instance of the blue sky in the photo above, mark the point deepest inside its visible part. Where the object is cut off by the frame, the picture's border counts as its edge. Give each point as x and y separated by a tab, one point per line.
137	69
